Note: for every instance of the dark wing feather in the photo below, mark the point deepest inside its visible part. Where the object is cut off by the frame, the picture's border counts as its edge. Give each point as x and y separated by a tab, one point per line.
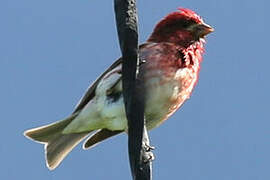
90	93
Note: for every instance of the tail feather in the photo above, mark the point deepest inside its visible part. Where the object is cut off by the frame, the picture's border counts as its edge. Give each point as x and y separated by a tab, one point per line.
44	134
57	145
58	149
98	137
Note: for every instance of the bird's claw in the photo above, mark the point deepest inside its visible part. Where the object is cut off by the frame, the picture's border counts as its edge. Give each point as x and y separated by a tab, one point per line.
148	156
148	148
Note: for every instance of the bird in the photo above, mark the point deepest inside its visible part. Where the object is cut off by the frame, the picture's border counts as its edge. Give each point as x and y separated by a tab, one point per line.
170	62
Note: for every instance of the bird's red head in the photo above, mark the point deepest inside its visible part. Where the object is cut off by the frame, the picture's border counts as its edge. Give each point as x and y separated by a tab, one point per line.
183	27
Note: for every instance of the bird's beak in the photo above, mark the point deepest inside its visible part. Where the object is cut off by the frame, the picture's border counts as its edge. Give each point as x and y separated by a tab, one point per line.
204	29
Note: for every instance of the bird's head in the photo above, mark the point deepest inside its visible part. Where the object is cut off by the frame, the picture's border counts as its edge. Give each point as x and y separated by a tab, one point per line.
183	27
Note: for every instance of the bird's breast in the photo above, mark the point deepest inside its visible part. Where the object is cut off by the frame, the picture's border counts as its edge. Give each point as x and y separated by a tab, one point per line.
168	78
166	92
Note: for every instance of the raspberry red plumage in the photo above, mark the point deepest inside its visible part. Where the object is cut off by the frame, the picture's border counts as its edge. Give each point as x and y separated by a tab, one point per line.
183	14
177	28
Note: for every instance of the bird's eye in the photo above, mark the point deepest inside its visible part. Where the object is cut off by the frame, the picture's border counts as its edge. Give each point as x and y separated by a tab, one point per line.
186	24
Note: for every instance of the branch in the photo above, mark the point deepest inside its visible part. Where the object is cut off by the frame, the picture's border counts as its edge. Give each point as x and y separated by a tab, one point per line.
133	90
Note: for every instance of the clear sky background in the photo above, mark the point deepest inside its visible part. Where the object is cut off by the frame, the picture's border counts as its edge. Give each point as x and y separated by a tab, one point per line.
50	51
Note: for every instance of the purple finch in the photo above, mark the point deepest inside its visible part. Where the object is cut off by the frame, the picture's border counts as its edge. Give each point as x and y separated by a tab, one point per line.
170	61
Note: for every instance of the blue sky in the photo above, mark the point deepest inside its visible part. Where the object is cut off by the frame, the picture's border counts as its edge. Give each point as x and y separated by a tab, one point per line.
50	51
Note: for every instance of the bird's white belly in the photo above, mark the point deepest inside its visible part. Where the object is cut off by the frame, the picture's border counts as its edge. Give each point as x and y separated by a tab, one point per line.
158	103
161	102
99	113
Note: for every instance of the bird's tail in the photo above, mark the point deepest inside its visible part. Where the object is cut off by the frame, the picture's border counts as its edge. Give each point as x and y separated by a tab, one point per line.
57	145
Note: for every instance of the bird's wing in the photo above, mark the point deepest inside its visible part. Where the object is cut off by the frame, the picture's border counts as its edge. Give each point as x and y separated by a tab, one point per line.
90	93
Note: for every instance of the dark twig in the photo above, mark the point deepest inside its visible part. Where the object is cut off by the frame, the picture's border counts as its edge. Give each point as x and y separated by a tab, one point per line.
138	142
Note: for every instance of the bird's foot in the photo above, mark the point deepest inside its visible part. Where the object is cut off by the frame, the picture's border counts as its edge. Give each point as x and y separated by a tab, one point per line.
148	156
